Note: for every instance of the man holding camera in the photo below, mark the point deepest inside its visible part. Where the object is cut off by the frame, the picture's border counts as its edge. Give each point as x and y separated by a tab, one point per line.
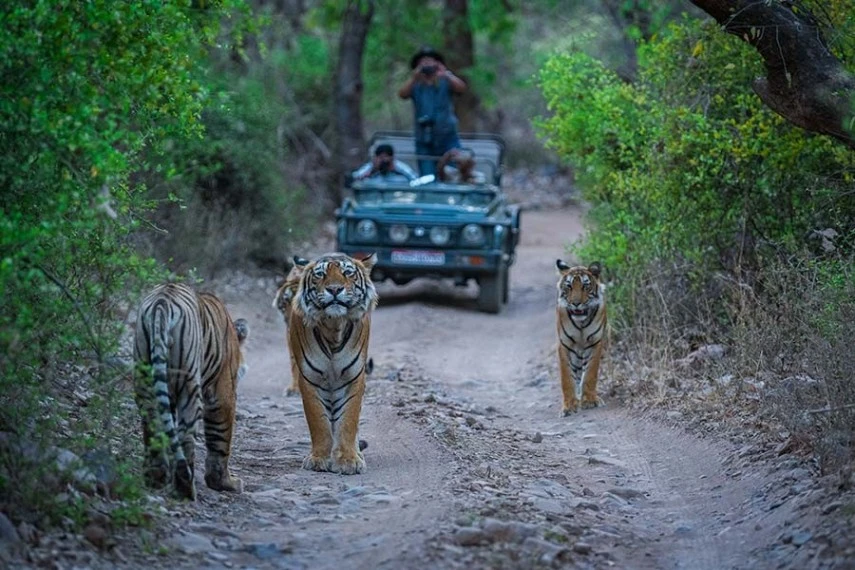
430	87
384	164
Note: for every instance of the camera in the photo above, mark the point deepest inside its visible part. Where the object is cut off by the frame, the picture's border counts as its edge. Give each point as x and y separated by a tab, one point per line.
429	70
425	130
385	165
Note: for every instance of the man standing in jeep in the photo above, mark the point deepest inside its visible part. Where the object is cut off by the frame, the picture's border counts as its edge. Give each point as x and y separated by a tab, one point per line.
430	87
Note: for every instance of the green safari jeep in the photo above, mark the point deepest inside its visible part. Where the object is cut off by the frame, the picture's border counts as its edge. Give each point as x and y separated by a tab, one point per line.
428	228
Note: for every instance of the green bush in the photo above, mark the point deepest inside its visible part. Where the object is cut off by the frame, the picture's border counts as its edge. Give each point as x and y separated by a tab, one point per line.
235	199
717	221
686	169
88	87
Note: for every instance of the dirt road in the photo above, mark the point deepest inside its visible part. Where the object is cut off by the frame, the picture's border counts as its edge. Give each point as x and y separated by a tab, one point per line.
469	463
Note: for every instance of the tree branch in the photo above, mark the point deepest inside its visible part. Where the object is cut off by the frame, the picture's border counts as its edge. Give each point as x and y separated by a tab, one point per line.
805	83
96	346
347	94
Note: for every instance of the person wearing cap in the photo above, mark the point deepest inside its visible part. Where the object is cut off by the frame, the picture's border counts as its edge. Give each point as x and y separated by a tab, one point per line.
430	87
384	164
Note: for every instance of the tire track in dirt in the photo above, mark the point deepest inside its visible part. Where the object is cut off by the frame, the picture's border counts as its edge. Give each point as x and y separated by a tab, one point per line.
664	489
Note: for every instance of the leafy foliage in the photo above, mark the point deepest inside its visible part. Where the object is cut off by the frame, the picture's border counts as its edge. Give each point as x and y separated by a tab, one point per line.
88	86
232	199
718	220
687	166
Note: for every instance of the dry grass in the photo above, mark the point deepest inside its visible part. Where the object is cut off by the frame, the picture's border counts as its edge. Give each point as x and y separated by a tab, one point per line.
795	339
774	359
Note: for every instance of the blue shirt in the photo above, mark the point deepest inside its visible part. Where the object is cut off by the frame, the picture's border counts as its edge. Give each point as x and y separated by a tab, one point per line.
433	100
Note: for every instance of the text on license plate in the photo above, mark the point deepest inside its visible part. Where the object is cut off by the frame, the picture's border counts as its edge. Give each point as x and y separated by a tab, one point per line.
418	257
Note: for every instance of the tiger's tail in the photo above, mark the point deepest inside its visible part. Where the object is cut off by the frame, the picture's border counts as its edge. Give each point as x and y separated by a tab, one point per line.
159	359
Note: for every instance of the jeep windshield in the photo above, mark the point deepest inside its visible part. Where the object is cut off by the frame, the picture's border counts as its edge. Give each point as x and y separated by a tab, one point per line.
459	195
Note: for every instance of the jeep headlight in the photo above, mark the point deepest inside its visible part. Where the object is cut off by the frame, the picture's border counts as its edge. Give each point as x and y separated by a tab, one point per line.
440	235
366	230
399	233
472	234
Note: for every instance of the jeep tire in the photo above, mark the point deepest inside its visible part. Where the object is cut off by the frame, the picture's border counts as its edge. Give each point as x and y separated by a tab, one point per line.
490	292
505	285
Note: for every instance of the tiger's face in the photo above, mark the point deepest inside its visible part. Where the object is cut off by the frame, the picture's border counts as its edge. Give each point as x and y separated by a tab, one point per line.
579	289
337	286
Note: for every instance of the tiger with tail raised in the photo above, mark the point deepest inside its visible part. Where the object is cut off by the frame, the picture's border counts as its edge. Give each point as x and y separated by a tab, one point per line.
328	333
581	318
189	359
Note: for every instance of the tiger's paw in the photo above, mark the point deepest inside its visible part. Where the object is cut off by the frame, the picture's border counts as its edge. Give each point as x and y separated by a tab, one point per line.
292	391
589	404
571	409
315	463
348	462
229	484
155	476
185	486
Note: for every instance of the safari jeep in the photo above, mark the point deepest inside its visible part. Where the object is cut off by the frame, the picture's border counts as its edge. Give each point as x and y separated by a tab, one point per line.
427	228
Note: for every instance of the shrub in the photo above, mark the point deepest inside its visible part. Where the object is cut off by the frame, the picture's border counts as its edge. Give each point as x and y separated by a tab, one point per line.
88	86
235	199
797	334
686	168
717	221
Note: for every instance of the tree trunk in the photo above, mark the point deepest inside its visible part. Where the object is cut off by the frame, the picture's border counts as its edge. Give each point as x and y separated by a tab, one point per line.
805	83
347	98
622	19
459	52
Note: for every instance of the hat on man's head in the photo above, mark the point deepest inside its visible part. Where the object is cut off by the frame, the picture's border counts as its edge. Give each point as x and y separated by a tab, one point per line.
384	149
426	51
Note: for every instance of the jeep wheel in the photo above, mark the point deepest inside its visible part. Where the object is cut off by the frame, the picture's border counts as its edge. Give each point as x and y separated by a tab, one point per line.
490	293
505	285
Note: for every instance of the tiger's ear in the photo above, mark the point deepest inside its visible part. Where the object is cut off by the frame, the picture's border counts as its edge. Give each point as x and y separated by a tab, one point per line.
595	268
242	329
301	261
561	266
368	262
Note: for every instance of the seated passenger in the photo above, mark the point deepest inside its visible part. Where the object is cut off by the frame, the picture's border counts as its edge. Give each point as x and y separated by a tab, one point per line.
385	165
462	171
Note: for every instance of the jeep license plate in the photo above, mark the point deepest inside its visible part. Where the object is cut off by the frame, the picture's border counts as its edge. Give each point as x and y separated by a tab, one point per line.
418	257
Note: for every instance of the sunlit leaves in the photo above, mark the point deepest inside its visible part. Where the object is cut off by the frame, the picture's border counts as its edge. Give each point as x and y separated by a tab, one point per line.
87	86
686	162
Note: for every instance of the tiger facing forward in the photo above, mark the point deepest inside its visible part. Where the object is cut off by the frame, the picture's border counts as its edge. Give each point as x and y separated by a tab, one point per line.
189	358
328	334
282	301
581	315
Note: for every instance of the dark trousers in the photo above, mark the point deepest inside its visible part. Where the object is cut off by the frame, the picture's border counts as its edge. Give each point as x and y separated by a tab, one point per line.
439	144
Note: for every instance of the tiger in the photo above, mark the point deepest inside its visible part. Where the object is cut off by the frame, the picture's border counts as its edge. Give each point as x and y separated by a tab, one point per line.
581	313
282	301
328	334
189	358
